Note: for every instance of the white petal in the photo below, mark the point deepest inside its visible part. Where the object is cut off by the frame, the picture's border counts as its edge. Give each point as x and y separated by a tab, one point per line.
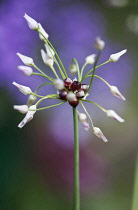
115	57
59	84
43	32
99	134
33	25
26	70
26	60
114	115
83	119
114	90
90	59
28	116
24	89
21	108
71	97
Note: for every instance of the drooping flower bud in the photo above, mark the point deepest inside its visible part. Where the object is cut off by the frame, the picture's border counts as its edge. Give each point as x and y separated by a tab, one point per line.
33	25
31	100
83	119
99	44
24	89
73	69
28	116
114	115
26	60
46	59
90	59
99	134
115	57
21	108
26	70
43	32
59	84
114	90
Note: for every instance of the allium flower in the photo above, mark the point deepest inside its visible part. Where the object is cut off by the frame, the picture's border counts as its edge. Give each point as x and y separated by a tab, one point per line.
26	70
21	108
24	89
115	57
99	44
28	117
31	22
90	59
26	60
74	91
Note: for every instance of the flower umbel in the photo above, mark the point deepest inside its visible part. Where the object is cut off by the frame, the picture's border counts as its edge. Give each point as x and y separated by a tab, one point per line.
73	91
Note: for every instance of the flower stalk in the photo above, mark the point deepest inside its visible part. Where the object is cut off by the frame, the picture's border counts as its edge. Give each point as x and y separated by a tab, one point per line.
76	196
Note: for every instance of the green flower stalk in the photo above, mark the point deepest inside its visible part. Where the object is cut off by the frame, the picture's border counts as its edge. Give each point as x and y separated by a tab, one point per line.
67	90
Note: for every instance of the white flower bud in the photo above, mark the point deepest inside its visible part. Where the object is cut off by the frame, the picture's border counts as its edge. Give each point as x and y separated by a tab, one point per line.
90	59
26	60
46	59
99	44
114	90
28	116
71	97
83	119
115	57
26	70
43	32
80	94
50	51
31	100
33	25
114	115
21	108
24	89
99	134
73	69
59	84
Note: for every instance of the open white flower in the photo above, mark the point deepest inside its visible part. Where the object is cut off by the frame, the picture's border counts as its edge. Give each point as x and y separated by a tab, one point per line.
59	84
46	59
26	60
21	108
33	25
99	134
99	44
90	59
24	89
26	70
28	116
43	32
114	115
114	90
84	121
115	57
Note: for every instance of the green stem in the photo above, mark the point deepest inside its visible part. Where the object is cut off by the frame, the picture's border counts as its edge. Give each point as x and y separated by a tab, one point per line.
76	162
135	190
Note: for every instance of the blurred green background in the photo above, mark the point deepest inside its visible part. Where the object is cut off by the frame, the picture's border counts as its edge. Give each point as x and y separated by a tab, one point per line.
36	166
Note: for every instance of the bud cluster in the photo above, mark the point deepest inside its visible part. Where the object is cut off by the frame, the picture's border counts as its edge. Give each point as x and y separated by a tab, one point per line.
73	91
